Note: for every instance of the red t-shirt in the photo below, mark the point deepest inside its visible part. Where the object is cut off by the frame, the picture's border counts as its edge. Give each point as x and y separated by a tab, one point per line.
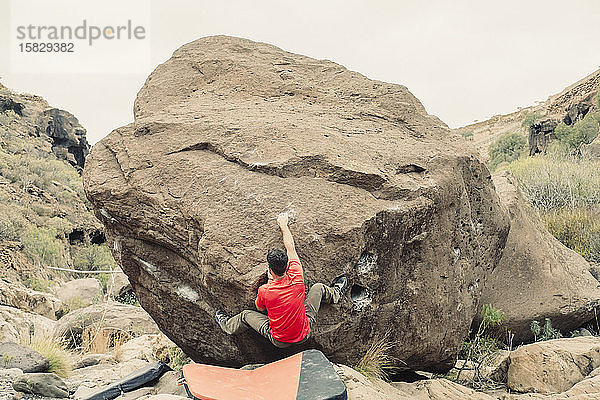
284	300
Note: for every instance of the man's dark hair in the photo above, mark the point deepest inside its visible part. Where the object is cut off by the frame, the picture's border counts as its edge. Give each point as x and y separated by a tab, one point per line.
277	260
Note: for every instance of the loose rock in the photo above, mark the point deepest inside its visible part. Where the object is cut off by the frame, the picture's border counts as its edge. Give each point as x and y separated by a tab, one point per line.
43	384
13	355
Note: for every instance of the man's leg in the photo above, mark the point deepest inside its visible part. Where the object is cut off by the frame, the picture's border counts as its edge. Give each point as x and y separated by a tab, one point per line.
253	319
237	324
317	293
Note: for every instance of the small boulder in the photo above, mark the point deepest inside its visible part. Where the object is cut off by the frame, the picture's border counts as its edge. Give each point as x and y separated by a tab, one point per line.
118	284
122	318
80	292
10	373
90	359
21	326
145	347
440	389
26	299
592	150
42	384
164	397
13	355
553	366
167	384
88	380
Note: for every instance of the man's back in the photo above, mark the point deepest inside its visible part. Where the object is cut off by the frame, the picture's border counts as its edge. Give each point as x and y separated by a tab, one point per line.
284	300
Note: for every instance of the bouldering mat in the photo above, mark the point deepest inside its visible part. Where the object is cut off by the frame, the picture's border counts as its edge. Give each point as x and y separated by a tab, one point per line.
135	380
308	375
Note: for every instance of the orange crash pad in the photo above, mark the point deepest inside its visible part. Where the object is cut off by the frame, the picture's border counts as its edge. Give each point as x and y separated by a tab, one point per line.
304	376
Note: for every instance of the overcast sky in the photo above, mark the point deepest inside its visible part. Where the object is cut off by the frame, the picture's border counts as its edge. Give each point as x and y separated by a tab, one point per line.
464	60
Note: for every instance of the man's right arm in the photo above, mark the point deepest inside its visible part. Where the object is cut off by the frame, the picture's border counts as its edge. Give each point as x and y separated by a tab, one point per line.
288	239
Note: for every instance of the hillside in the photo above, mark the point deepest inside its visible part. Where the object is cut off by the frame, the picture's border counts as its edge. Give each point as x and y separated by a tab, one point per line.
483	134
45	220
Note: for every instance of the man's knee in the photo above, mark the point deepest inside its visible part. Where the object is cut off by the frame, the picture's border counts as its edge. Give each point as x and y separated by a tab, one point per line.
317	287
244	315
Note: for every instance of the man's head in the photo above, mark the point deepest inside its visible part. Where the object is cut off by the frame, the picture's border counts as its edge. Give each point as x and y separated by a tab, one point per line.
277	260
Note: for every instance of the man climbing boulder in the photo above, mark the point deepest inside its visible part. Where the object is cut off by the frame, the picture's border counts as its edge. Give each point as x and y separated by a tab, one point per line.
290	316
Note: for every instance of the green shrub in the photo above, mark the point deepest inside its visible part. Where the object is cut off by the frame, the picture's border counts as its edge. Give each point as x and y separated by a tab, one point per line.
529	119
570	138
59	358
173	356
481	349
94	257
42	245
12	223
128	297
578	229
39	285
551	183
544	332
507	148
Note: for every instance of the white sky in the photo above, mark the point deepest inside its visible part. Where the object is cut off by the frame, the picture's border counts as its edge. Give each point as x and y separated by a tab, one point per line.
465	60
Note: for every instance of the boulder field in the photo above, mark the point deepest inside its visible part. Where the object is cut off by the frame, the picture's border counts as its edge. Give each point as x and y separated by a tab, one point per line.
228	133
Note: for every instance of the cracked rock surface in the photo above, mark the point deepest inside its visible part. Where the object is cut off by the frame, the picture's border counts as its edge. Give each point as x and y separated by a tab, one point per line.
230	132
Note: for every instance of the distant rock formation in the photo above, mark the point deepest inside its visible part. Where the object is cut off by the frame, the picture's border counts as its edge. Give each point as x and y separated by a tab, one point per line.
68	137
540	135
33	136
228	133
576	112
569	106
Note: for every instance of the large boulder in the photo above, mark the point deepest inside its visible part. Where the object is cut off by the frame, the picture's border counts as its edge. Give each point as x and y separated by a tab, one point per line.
553	366
537	277
230	132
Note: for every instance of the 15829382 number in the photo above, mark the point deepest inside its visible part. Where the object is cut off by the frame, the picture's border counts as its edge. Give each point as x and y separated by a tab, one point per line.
47	47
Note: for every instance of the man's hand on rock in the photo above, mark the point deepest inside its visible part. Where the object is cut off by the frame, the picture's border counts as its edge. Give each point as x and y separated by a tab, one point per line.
282	219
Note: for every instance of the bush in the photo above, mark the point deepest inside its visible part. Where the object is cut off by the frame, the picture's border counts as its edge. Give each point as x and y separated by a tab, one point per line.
39	285
570	138
12	224
376	362
42	245
551	183
507	148
94	257
545	332
578	229
173	356
59	359
566	191
529	119
481	349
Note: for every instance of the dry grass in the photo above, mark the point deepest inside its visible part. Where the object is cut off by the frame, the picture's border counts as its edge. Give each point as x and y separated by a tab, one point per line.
555	182
59	358
376	362
101	340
